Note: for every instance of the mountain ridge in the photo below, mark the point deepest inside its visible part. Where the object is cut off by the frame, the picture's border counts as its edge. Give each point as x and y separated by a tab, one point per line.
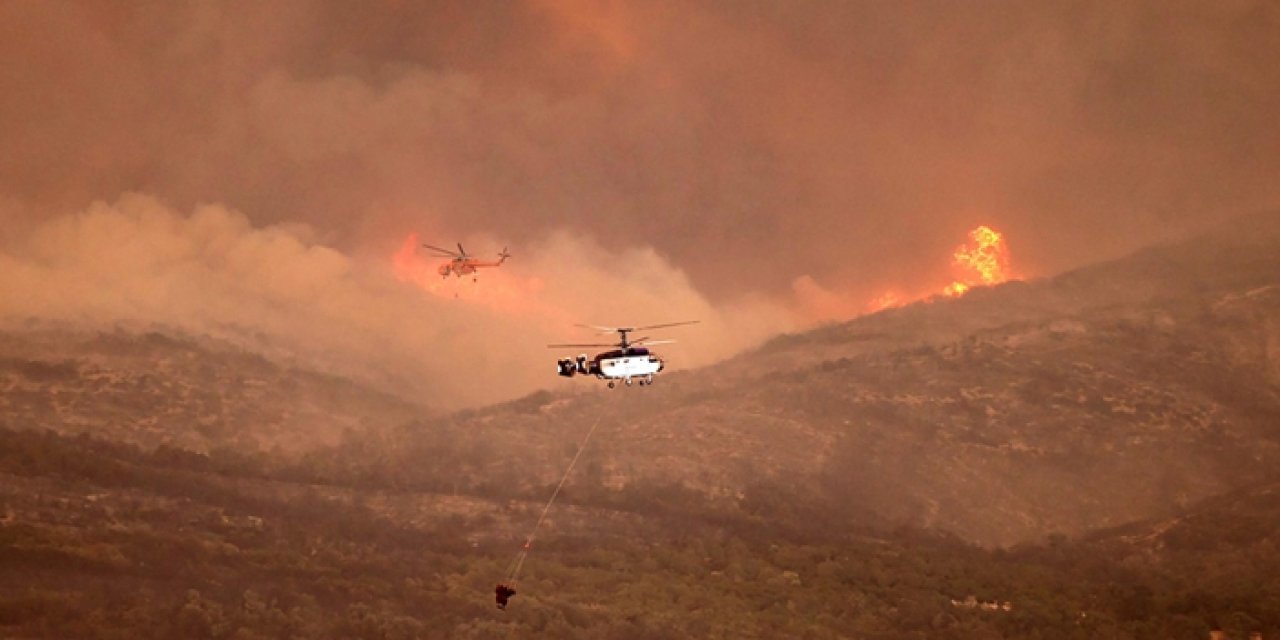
980	416
1003	416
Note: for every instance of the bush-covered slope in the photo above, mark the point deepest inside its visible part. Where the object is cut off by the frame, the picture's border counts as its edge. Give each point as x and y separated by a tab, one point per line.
157	388
110	541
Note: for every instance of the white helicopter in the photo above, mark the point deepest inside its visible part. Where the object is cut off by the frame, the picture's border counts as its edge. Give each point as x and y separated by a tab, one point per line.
630	361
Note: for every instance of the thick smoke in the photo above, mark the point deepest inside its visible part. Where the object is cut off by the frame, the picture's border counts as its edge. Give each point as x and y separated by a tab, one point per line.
392	322
747	163
852	142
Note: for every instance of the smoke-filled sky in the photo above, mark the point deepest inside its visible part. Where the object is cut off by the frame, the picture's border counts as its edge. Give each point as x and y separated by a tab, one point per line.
764	164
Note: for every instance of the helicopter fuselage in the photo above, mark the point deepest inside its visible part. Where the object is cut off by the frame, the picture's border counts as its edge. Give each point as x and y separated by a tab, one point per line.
460	264
633	363
464	267
629	361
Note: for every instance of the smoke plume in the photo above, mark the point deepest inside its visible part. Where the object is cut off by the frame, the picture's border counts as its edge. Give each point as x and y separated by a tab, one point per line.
390	321
759	165
851	142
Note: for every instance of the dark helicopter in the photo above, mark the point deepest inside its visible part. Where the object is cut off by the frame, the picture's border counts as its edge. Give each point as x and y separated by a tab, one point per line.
461	264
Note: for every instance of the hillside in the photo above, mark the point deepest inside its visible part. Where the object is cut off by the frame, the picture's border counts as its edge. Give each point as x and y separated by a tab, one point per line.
110	541
1111	394
1235	257
161	387
847	481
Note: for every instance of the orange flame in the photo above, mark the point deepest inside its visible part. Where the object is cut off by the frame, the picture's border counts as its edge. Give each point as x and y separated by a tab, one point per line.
984	261
985	257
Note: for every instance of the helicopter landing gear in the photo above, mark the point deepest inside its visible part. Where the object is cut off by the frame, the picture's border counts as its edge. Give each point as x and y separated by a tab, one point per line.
648	380
628	381
611	384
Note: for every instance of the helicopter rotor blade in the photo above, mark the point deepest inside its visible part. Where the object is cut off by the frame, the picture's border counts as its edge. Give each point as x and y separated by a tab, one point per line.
569	346
646	343
626	330
665	325
461	252
601	329
446	252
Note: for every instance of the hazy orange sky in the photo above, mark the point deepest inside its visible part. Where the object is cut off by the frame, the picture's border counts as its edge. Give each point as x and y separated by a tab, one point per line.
756	151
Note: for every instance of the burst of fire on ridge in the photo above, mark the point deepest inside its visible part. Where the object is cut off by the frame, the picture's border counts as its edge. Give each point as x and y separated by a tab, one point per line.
983	261
986	256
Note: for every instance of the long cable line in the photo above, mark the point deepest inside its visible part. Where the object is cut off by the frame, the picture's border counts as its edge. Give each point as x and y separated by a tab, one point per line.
513	570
